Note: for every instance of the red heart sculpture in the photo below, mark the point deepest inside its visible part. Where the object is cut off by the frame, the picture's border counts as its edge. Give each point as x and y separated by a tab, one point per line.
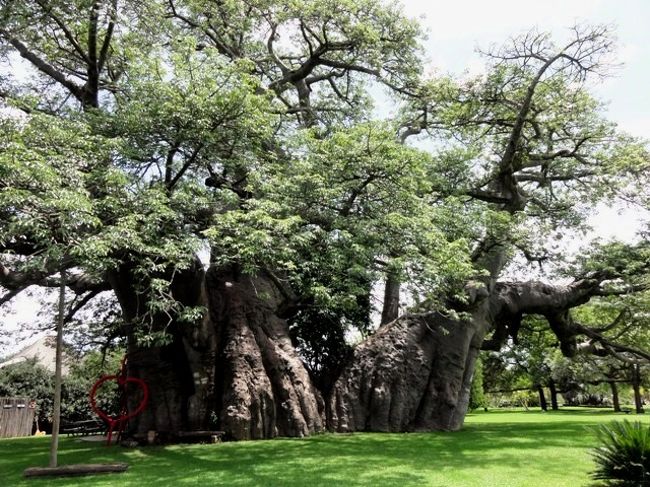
122	418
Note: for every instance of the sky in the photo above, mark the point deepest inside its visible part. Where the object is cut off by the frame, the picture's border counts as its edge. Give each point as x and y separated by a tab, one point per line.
456	28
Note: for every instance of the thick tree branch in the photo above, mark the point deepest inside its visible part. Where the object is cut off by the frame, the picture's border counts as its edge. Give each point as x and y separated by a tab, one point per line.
512	301
613	348
11	294
46	68
188	163
487	196
19	280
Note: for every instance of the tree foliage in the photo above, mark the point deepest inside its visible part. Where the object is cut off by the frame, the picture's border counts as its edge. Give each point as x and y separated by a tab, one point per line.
148	134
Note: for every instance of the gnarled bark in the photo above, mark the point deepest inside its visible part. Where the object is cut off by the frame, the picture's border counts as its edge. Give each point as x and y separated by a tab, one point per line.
180	374
264	388
240	365
413	374
236	366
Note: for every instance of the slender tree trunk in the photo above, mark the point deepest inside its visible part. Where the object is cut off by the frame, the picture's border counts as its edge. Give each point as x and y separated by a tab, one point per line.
390	310
542	398
553	390
615	399
636	386
56	413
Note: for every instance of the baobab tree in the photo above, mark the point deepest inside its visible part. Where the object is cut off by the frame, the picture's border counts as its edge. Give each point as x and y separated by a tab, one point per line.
183	128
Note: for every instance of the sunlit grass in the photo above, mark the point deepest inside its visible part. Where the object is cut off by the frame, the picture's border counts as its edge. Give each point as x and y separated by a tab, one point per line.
504	449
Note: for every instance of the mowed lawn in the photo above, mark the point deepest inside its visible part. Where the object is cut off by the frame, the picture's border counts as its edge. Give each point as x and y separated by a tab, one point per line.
498	448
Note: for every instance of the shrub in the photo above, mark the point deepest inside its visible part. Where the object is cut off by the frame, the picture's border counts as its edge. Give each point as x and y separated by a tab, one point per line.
623	457
32	380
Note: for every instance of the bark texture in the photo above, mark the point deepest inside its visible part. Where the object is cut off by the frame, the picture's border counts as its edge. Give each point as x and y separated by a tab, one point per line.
414	374
264	388
236	370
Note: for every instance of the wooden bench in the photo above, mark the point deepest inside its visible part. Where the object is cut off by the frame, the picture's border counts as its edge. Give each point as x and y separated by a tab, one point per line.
82	428
200	436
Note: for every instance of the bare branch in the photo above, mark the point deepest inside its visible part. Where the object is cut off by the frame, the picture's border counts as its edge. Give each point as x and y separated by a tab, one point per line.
46	68
76	307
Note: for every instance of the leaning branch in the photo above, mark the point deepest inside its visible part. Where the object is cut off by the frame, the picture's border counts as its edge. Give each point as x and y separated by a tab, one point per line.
43	66
614	349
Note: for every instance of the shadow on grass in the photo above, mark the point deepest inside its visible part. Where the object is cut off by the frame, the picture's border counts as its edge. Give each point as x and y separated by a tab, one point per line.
356	460
563	411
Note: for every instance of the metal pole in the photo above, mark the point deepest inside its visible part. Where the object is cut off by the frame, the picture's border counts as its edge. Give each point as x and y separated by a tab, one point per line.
56	413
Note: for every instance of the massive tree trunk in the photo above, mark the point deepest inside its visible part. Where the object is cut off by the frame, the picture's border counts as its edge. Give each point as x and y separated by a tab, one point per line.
264	389
413	374
236	369
179	374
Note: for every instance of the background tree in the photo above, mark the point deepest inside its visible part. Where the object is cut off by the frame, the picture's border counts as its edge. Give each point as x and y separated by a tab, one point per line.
527	364
31	380
477	393
531	144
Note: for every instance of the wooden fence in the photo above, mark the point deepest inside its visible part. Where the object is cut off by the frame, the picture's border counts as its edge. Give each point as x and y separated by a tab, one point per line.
16	416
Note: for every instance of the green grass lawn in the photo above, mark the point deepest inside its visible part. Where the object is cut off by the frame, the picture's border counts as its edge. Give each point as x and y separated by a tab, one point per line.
498	448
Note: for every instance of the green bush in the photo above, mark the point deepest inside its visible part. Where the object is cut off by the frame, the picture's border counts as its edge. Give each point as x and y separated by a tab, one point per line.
31	380
623	457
